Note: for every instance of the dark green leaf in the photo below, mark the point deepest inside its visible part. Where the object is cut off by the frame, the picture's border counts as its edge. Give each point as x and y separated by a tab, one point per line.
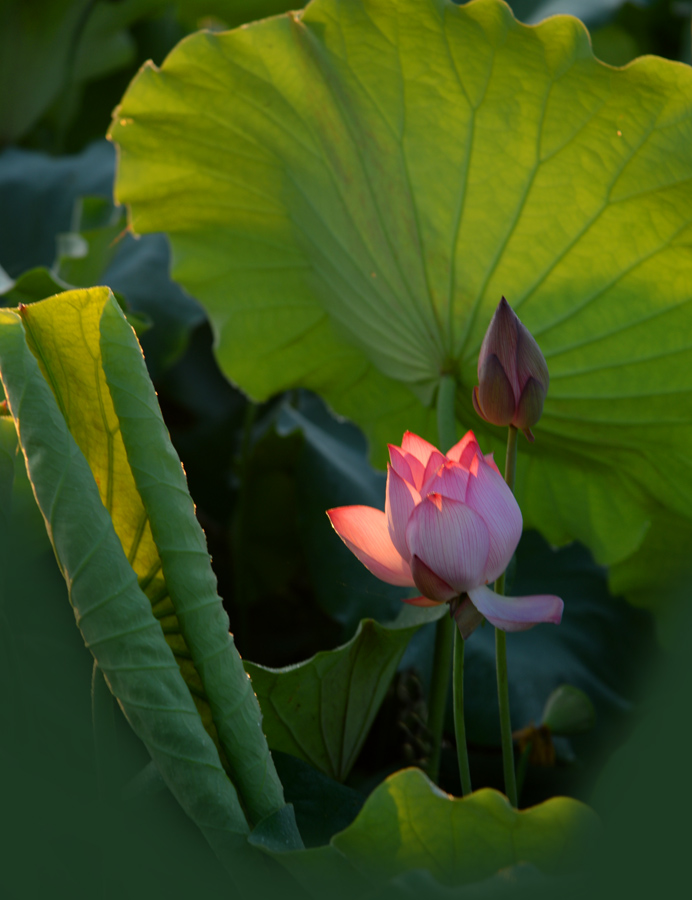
278	831
84	253
321	710
137	845
38	193
50	47
45	197
36	284
322	805
186	567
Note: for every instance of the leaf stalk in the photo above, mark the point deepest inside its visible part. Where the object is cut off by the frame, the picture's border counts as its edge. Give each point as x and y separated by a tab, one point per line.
501	649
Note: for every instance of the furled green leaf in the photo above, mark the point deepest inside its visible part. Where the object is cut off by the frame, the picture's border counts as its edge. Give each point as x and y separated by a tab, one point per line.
321	710
186	566
46	755
114	615
144	844
407	823
64	334
350	190
92	360
8	450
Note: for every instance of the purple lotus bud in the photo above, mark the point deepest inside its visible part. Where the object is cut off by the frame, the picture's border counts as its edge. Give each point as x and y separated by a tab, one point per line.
512	373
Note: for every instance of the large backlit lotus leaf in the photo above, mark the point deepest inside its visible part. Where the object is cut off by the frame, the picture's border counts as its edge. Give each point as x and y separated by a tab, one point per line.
350	190
408	824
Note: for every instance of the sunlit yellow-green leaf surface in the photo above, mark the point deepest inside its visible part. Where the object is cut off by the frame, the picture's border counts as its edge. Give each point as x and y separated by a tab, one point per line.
350	189
408	823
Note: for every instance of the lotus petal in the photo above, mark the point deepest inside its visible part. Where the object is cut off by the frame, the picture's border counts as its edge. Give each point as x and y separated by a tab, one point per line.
516	613
456	451
417	447
451	481
429	583
401	499
451	539
364	531
488	494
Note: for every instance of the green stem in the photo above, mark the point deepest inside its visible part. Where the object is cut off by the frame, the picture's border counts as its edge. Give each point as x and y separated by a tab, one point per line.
505	720
447	638
459	724
439	686
511	457
501	650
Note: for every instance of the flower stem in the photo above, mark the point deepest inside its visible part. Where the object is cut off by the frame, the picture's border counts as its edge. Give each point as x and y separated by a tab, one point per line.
439	687
442	655
505	721
501	650
459	724
447	637
511	457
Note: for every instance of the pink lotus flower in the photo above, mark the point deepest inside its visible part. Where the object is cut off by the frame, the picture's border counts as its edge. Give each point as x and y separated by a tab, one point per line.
450	526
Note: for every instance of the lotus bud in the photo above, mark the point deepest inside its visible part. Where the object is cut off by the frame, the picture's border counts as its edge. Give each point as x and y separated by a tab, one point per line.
512	373
449	527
